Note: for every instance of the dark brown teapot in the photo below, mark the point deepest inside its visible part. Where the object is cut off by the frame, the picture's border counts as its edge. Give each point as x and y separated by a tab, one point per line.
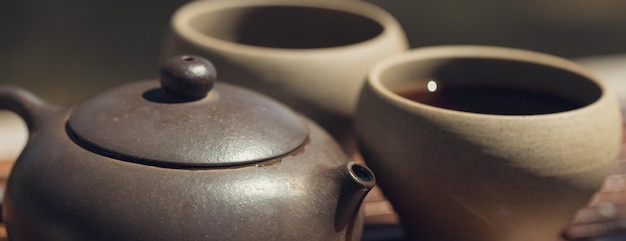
184	160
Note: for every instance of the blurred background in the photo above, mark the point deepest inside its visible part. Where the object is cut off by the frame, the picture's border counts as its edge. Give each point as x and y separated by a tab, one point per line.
68	50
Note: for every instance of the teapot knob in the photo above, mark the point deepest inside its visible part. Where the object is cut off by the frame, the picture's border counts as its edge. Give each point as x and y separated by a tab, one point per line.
187	76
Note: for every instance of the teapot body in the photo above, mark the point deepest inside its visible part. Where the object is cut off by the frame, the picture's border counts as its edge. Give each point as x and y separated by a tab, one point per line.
186	160
60	189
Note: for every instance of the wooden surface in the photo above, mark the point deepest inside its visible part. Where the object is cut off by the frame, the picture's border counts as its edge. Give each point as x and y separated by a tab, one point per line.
604	218
5	169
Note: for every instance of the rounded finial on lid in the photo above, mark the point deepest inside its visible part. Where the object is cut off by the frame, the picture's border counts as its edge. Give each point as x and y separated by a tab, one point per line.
188	76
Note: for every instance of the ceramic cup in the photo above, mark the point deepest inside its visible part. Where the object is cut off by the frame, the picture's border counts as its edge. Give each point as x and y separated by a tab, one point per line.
479	143
311	55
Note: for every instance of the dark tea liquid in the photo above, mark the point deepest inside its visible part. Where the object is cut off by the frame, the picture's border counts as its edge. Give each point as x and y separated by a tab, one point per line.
490	100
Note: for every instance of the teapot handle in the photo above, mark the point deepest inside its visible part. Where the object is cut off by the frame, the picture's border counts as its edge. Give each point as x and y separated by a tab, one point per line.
24	103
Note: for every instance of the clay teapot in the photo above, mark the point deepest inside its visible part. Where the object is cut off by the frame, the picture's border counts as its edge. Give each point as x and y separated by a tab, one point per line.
186	159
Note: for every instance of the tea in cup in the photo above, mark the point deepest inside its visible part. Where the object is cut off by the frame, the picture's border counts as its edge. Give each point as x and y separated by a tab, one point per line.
480	143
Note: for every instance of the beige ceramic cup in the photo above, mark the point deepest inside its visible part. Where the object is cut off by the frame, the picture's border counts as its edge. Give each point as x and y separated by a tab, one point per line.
310	55
460	175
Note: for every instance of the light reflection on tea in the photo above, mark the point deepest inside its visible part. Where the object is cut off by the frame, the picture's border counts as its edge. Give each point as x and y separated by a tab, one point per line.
498	100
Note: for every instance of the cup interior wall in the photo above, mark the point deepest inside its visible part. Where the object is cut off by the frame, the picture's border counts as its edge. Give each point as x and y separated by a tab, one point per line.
291	27
491	72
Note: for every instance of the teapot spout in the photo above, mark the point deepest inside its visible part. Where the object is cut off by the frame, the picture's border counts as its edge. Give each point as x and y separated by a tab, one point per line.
357	180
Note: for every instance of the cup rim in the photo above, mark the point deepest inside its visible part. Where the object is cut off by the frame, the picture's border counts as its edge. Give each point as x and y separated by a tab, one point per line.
477	52
182	16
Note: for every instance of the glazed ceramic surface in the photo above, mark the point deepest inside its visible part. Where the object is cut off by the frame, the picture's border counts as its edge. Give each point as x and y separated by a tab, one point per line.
311	55
186	159
455	175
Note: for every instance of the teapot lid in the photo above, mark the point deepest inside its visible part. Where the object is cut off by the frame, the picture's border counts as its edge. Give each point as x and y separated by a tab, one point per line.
187	121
